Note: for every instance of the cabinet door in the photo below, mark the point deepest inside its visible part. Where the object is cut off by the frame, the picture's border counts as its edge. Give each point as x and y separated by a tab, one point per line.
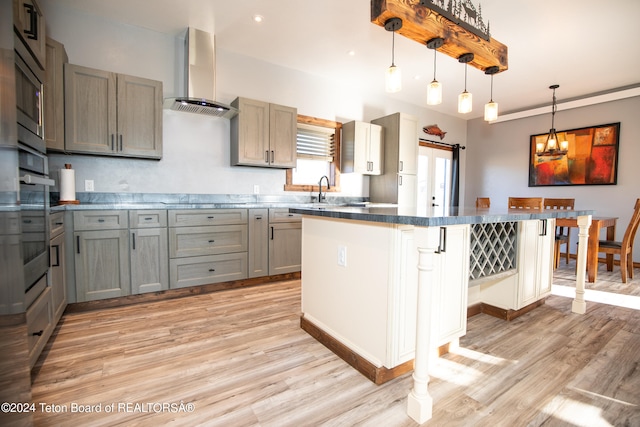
258	243
139	117
149	260
283	130
285	247
545	258
90	110
408	144
250	133
451	294
57	277
528	235
54	95
102	264
407	190
375	150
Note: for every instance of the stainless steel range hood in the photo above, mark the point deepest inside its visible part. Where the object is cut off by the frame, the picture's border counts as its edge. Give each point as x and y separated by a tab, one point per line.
199	76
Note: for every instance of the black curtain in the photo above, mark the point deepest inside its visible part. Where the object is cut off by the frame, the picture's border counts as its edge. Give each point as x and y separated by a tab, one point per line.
455	178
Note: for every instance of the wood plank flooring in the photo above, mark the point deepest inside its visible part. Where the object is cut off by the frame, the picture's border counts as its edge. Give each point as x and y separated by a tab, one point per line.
240	358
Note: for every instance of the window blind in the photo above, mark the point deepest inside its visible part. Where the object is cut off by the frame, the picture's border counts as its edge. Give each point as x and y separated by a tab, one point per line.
315	142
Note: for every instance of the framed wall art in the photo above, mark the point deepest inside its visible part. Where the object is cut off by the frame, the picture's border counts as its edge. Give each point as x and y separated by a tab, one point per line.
591	157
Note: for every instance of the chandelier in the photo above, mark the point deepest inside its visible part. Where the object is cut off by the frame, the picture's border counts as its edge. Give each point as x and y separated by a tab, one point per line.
552	146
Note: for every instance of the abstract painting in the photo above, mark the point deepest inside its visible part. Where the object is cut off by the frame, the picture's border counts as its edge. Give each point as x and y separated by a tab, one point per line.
591	158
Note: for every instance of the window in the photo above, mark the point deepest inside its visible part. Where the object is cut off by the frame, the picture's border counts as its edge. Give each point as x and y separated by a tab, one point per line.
318	151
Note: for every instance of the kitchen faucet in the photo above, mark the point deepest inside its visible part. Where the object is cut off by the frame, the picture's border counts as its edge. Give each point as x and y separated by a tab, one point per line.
322	198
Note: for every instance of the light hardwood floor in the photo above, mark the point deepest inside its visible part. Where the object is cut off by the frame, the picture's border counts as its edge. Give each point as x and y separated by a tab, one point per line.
240	357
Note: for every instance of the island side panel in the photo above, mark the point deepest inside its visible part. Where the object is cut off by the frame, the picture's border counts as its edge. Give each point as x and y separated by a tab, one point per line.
348	302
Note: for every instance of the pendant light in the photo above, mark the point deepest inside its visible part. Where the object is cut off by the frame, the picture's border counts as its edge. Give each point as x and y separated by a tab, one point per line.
394	76
552	147
491	108
465	99
434	90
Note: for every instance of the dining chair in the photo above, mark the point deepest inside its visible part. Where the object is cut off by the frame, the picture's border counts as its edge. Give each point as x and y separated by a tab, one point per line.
534	203
561	237
623	249
483	202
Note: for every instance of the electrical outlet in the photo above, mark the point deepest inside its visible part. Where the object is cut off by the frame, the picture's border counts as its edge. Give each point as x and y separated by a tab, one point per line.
342	256
256	189
88	185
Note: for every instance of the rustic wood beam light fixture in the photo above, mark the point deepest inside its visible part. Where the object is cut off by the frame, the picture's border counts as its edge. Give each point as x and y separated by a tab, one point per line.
422	22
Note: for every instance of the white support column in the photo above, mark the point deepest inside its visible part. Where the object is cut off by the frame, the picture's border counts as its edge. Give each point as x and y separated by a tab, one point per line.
579	305
419	402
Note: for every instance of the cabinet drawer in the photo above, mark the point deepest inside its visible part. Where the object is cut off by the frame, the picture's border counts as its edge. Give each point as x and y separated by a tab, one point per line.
216	239
39	324
100	220
148	218
283	215
203	270
195	217
56	224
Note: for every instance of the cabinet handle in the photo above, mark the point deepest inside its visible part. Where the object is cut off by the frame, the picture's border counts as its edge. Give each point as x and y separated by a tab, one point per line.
442	244
57	250
271	233
38	334
148	219
273	159
100	220
544	227
59	223
26	221
266	156
210	217
400	180
401	165
211	241
133	241
112	142
258	217
32	32
120	142
77	244
212	269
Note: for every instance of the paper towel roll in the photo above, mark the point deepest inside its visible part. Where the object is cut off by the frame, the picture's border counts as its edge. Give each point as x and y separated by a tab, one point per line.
67	184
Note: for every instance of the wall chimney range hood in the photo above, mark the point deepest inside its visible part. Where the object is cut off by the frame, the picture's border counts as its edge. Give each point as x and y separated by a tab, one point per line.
199	77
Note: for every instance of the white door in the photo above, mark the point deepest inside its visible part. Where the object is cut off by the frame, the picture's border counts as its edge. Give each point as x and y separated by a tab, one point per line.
434	181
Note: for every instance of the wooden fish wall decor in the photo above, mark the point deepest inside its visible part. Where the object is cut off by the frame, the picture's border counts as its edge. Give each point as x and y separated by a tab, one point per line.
434	130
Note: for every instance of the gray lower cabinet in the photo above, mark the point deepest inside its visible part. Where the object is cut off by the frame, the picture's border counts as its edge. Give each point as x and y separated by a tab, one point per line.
101	252
57	272
285	241
148	249
258	242
207	246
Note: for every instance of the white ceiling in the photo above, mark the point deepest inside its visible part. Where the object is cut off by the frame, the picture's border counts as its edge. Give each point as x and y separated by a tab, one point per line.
585	46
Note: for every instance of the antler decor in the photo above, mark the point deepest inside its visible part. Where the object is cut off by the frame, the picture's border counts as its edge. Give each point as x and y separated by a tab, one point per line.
421	22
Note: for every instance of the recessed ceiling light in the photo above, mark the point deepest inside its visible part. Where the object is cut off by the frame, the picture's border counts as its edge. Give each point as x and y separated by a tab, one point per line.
417	77
351	53
258	18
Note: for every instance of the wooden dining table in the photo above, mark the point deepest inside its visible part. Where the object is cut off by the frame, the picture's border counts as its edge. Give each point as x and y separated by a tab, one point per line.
597	224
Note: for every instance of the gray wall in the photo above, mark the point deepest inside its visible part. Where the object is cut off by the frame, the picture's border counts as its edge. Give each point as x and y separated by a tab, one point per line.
500	154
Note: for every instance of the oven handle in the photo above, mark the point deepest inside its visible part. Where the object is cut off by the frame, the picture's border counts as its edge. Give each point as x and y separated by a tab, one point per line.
30	179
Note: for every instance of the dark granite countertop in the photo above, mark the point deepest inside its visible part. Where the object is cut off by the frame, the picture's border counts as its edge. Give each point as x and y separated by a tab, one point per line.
397	215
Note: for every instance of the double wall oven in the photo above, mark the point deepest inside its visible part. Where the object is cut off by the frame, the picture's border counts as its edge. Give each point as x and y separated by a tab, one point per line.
33	173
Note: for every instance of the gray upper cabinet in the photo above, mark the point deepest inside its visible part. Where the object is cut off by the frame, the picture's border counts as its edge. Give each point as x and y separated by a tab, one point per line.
112	114
54	95
263	134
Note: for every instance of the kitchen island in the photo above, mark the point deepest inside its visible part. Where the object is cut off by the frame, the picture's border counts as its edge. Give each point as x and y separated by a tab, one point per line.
384	287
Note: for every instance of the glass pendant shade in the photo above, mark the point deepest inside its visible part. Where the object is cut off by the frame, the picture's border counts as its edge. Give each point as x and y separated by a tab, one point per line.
434	93
491	111
393	79
465	102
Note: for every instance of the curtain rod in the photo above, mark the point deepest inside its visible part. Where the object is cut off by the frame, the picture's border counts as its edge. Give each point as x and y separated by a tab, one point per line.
462	147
